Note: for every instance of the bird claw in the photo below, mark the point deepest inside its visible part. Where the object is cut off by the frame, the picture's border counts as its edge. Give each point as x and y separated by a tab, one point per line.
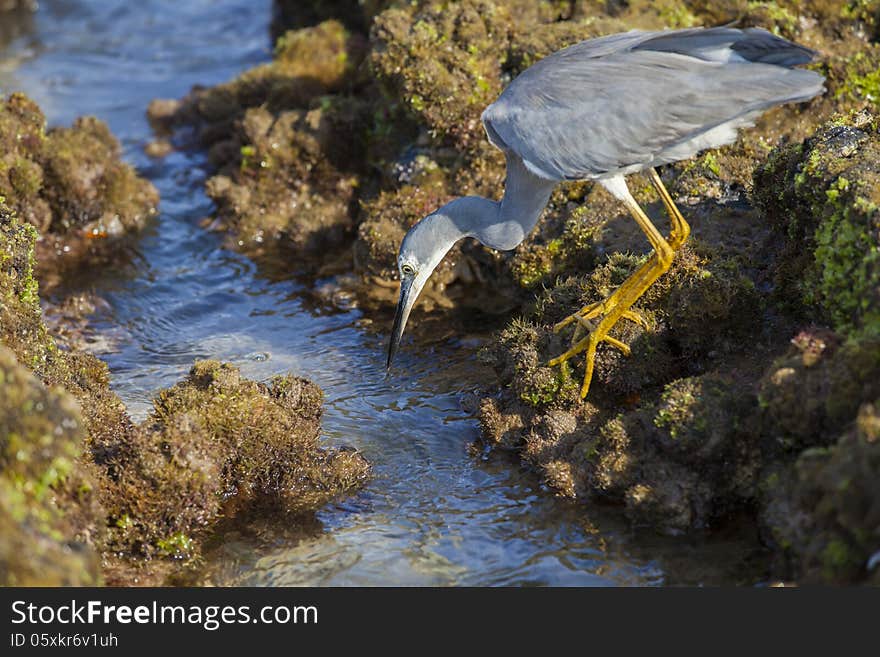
590	328
589	343
595	310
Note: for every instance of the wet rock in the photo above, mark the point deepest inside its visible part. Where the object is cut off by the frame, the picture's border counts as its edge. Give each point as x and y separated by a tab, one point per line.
71	185
444	64
826	514
296	14
287	144
810	395
307	64
293	188
216	444
678	461
819	404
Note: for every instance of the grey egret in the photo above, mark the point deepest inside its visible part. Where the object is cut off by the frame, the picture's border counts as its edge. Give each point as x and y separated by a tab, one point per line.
600	110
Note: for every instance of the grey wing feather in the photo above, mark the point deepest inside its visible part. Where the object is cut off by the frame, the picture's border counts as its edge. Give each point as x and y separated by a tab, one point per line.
622	101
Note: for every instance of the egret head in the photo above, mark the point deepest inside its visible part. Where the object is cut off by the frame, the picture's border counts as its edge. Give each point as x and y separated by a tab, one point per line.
421	251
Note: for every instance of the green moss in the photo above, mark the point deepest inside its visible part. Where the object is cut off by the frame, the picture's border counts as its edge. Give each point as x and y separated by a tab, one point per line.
711	163
837	559
824	196
26	178
783	20
565	246
866	12
847	269
297	47
545	387
676	14
176	545
862	80
43	541
676	407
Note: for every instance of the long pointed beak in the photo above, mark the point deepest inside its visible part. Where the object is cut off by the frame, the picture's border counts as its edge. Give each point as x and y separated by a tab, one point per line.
409	292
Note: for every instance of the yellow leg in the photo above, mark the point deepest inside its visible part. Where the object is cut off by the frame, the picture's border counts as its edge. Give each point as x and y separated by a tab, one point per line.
618	305
660	245
680	228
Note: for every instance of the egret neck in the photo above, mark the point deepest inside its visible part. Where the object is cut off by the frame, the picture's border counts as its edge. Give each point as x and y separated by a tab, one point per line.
498	225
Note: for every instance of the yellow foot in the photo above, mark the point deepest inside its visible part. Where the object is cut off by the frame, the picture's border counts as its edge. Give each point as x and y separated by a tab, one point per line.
585	326
595	310
589	345
596	333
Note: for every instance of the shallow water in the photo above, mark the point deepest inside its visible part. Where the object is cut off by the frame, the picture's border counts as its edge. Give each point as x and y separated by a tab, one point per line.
432	514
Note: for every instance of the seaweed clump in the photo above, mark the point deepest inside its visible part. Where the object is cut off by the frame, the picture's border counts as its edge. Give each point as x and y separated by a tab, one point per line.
70	184
214	445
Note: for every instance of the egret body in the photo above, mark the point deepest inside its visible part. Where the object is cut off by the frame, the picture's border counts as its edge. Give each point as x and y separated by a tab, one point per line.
600	110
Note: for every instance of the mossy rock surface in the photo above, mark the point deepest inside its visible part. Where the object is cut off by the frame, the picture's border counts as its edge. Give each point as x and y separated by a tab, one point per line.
71	185
824	193
50	515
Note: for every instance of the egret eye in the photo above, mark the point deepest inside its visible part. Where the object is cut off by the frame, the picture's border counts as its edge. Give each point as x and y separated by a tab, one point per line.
408	270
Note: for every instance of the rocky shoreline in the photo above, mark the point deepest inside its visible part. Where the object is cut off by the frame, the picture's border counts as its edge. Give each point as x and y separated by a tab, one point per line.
755	387
753	391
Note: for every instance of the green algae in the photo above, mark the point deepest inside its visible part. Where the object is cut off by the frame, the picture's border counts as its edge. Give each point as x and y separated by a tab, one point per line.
71	185
823	194
836	492
43	540
409	64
